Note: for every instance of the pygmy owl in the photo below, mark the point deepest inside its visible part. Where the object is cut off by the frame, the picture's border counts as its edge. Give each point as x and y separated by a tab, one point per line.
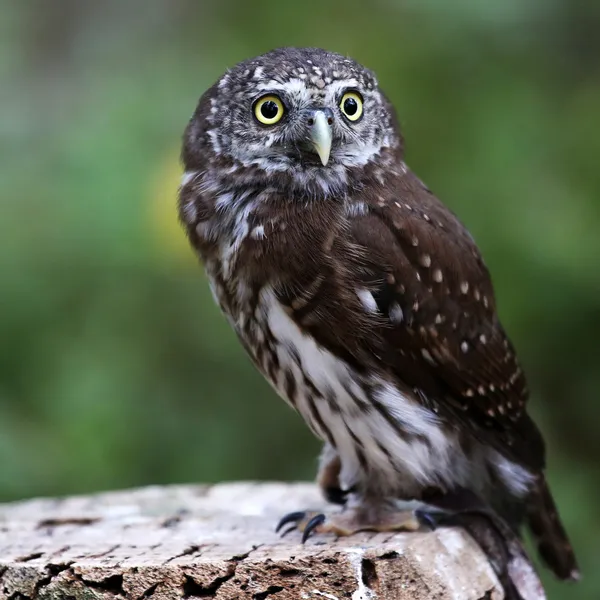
366	304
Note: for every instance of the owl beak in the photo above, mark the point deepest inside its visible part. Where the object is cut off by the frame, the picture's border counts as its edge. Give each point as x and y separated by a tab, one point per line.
320	134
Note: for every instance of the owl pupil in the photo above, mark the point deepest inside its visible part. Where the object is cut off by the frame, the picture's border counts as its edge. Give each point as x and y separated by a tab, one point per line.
350	106
269	109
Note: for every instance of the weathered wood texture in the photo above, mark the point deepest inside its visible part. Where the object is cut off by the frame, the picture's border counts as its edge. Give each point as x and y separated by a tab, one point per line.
162	543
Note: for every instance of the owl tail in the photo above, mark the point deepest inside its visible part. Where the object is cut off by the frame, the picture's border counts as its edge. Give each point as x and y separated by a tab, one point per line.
552	541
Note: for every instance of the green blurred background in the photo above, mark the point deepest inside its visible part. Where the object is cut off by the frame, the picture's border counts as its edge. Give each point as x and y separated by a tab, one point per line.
117	370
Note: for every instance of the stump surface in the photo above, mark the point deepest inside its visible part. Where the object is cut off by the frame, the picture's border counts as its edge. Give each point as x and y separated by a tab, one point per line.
163	543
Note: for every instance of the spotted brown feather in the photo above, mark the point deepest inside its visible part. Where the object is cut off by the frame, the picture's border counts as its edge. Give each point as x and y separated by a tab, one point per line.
448	342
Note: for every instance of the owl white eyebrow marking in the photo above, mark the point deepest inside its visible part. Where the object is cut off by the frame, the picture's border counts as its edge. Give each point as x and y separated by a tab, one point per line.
336	87
293	86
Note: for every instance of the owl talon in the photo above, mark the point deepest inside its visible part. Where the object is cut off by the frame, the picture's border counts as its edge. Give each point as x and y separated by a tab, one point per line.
312	525
349	522
427	519
306	522
293	517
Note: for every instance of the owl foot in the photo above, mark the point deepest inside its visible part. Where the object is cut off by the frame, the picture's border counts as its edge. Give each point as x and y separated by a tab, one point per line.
352	520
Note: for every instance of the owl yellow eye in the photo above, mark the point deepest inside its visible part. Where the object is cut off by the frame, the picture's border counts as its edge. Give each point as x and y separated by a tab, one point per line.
352	106
268	110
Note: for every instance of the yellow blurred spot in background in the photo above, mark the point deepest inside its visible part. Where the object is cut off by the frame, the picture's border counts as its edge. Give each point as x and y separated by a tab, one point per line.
168	236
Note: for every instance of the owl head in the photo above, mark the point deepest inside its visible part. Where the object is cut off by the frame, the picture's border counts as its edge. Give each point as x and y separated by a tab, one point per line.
305	112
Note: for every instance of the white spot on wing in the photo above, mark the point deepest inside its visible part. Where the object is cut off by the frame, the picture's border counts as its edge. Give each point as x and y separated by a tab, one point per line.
518	479
367	299
396	313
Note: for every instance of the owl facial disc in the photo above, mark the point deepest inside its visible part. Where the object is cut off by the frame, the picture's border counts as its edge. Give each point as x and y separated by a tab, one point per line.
308	118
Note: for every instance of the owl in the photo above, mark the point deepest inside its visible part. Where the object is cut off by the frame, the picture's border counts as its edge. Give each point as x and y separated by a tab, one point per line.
366	304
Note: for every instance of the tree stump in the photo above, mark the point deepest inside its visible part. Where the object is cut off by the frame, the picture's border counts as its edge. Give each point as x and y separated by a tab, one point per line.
218	541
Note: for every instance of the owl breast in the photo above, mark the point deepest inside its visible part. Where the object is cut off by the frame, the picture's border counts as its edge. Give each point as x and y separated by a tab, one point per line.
387	442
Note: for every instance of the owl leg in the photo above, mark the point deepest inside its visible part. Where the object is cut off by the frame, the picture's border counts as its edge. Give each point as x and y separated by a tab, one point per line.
359	513
364	515
328	477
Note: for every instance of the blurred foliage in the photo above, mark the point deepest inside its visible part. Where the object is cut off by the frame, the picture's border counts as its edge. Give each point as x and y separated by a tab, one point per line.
115	367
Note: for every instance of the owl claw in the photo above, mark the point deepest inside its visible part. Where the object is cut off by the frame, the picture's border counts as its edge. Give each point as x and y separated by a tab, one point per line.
349	522
293	517
306	522
312	525
427	519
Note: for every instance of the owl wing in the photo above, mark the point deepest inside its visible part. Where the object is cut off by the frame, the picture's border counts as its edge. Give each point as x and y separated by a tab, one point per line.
434	321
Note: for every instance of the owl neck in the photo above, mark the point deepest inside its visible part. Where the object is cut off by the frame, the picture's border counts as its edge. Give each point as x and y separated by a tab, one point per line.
222	200
299	182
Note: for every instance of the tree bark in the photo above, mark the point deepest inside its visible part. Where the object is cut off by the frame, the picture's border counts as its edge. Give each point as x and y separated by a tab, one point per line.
163	543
